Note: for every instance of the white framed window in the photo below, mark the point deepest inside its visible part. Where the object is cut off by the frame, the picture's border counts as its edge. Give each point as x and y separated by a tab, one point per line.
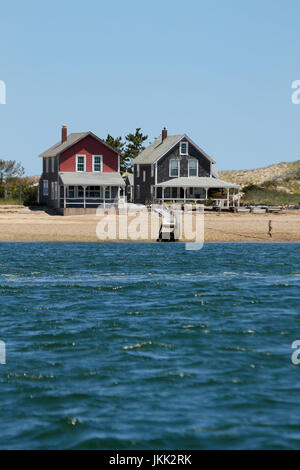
184	148
47	165
174	168
138	171
80	163
52	164
152	171
97	163
107	194
193	167
55	191
45	188
144	176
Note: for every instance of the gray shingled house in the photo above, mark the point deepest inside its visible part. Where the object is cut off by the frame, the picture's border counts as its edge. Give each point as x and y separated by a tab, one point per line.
174	169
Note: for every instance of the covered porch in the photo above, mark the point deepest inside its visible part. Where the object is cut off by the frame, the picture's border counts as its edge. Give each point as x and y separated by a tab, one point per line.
197	189
89	190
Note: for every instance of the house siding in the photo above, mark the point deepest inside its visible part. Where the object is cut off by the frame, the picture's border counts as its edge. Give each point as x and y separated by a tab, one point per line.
51	177
145	186
163	164
163	173
89	147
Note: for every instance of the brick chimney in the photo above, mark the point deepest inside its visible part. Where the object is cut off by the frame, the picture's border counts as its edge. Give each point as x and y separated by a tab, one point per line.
164	134
64	133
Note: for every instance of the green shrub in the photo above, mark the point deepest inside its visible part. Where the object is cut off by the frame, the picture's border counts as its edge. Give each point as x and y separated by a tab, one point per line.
30	195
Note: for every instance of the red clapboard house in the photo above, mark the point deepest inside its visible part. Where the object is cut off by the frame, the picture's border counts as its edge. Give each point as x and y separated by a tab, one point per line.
80	172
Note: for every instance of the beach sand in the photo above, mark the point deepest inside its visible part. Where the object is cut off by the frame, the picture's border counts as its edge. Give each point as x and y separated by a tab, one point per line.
24	224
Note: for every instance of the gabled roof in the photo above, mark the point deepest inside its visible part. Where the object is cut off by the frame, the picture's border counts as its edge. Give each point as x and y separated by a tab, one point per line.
72	139
129	176
159	148
197	182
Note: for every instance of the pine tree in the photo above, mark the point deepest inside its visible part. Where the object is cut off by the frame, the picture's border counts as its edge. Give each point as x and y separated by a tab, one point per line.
117	144
134	147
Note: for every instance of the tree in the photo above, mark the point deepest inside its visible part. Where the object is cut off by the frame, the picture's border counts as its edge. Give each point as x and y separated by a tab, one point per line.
134	147
10	169
128	150
117	144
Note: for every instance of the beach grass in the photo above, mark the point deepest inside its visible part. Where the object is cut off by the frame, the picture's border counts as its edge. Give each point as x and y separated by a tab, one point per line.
10	202
270	196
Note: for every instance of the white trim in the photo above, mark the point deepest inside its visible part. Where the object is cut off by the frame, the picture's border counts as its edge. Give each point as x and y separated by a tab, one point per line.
93	164
174	160
180	148
152	170
80	155
197	166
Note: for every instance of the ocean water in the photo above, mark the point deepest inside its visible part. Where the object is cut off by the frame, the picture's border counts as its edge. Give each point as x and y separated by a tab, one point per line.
144	346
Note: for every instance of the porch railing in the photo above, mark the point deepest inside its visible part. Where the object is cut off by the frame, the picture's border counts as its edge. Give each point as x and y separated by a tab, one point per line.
88	202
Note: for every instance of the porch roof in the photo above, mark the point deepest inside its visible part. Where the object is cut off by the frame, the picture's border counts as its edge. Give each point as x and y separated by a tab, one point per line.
196	182
108	178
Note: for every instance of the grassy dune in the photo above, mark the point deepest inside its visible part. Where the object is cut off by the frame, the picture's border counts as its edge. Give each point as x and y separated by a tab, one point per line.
275	184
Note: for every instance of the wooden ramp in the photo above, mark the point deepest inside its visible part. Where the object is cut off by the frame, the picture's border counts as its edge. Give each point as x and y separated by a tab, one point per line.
170	224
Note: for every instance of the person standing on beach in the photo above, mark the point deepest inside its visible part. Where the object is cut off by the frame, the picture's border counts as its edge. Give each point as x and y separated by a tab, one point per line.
270	228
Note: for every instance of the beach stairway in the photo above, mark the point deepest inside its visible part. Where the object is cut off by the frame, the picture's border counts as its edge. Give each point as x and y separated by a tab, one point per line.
170	226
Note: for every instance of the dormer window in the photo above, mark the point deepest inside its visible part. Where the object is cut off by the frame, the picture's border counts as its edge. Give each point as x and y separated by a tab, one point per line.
184	148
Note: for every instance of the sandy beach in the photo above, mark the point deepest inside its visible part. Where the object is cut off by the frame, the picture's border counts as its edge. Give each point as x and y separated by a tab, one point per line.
24	224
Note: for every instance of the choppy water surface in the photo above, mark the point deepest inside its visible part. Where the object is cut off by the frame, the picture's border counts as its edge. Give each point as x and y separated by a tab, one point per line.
149	346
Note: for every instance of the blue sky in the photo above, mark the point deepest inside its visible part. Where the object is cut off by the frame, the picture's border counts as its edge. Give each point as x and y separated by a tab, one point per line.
219	71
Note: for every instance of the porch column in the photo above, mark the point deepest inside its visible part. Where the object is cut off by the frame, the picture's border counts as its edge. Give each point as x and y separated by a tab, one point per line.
184	194
163	194
84	200
206	193
65	196
104	188
58	195
239	196
227	197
